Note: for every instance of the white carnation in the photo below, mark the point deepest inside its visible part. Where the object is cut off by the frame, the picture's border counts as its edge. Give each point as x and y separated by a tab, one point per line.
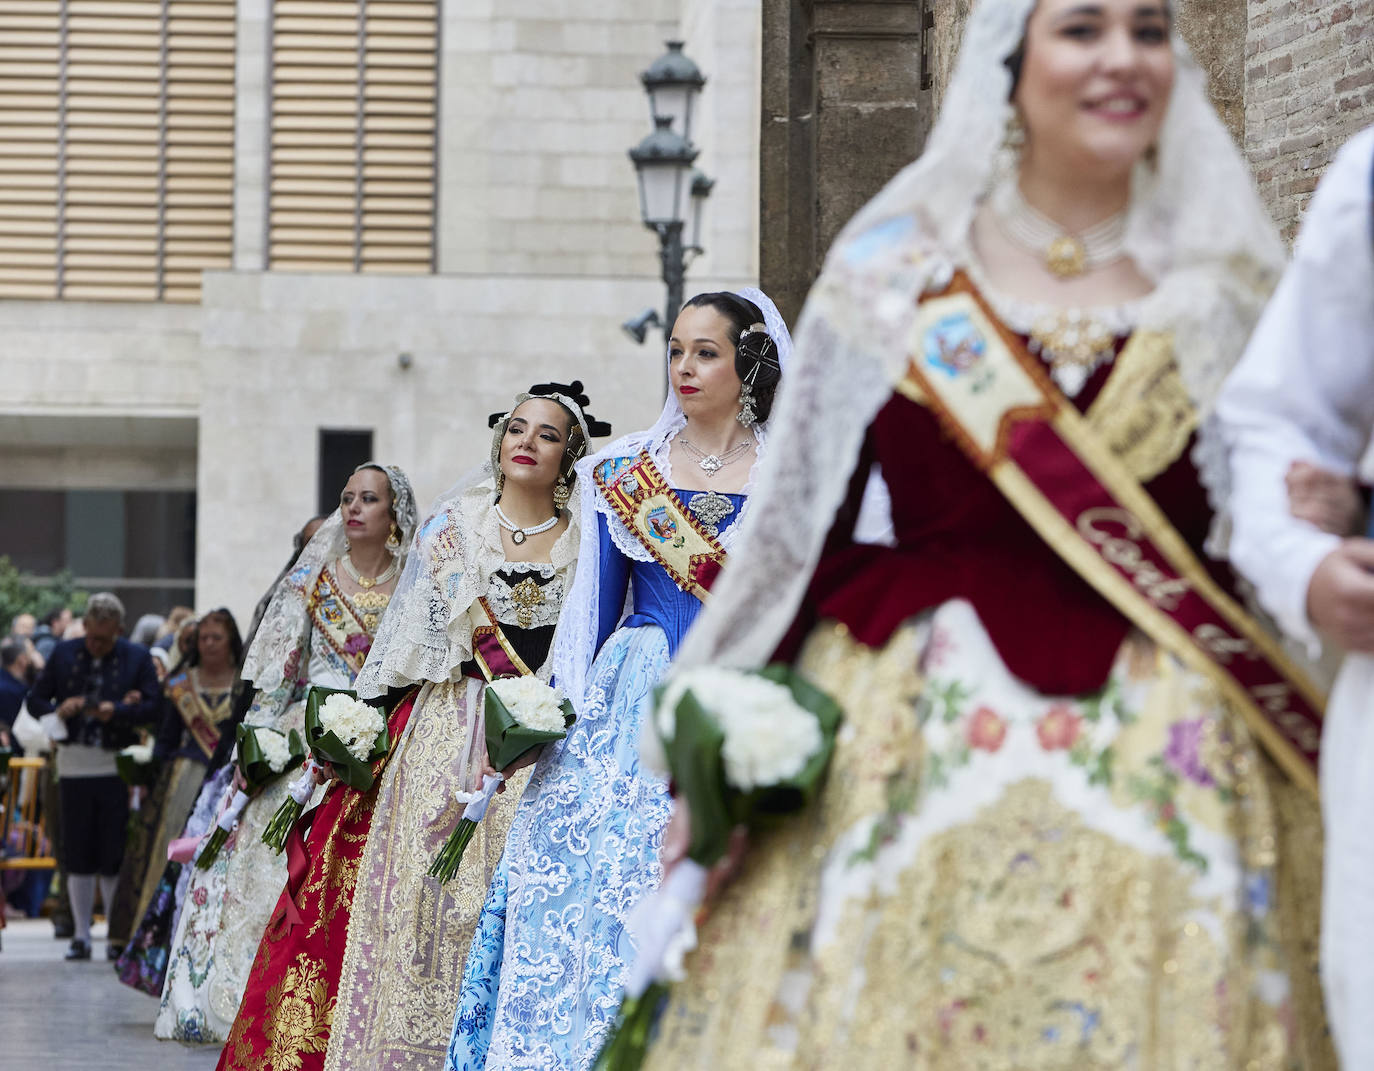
531	702
769	737
275	748
142	754
356	724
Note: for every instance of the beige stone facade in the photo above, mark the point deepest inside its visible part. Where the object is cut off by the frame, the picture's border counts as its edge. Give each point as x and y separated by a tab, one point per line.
540	254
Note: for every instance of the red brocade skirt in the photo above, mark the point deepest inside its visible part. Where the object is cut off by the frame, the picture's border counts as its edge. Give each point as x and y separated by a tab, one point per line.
284	1021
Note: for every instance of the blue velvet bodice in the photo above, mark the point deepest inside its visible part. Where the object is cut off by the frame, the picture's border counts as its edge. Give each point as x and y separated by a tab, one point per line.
655	599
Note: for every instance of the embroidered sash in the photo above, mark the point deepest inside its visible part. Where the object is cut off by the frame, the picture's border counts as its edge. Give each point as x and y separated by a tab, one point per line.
491	649
644	502
997	401
201	719
338	621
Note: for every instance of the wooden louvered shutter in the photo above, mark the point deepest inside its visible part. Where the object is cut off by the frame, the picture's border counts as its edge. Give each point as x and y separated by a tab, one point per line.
353	141
198	202
30	96
116	147
112	163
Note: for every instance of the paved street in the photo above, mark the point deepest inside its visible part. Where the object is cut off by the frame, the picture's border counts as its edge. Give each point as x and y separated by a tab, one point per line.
58	1016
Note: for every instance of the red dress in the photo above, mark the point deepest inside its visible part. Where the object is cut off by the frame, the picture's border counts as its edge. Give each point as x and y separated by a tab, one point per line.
283	1023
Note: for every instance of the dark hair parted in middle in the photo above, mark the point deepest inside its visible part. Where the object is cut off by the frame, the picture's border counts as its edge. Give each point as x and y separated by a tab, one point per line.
221	615
756	352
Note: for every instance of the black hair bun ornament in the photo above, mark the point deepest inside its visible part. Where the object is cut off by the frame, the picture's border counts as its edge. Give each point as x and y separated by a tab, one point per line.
757	344
573	391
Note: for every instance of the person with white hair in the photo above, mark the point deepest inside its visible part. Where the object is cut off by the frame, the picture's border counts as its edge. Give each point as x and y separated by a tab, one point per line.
102	687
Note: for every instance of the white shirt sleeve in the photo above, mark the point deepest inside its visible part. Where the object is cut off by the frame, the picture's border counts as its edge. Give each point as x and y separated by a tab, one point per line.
1304	389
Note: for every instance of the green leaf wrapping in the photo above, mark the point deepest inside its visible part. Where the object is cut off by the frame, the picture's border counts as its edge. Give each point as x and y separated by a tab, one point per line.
131	773
507	739
326	747
257	771
698	768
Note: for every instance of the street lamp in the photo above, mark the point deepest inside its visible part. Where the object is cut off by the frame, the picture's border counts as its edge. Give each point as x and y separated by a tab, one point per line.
701	190
671	193
672	83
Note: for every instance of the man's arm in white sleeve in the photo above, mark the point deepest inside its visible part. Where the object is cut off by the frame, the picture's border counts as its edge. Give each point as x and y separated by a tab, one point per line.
1304	391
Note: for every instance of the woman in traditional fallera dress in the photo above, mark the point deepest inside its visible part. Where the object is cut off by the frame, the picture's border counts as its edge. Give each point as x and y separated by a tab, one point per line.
197	706
360	966
318	629
1061	830
542	980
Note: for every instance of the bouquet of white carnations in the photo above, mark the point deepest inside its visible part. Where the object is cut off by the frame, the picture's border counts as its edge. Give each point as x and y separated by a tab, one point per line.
742	749
343	732
135	765
263	754
521	713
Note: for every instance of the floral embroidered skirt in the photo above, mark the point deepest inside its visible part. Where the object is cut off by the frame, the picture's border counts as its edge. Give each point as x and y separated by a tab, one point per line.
409	934
284	1020
997	879
543	980
223	918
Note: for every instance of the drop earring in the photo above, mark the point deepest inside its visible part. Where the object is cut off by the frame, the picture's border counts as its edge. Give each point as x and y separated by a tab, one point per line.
393	541
746	416
562	493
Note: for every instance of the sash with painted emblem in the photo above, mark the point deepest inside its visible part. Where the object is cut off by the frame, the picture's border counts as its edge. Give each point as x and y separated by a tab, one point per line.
1077	480
639	495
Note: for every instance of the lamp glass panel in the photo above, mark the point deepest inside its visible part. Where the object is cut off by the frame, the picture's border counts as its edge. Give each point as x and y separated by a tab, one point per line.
697	228
674	100
661	191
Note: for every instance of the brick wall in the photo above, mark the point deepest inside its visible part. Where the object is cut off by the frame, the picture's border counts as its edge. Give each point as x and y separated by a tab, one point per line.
1309	85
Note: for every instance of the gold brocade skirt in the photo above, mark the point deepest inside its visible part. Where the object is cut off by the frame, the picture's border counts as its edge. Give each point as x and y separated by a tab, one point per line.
996	879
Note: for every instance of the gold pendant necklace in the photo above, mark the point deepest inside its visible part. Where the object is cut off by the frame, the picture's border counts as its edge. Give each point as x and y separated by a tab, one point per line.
369	582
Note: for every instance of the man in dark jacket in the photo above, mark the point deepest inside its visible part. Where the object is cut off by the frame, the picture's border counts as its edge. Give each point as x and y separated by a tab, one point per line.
101	687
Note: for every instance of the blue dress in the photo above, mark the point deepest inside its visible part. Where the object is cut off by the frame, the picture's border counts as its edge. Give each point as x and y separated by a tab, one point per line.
544	975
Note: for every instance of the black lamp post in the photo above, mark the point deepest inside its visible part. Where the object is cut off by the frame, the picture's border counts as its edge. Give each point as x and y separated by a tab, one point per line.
671	193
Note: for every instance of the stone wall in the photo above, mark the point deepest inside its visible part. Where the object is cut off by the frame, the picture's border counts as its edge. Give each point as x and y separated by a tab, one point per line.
1292	80
845	105
1309	85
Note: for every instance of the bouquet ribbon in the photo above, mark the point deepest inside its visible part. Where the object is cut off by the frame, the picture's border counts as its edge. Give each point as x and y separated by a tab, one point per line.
659	923
288	911
478	802
182	850
234	811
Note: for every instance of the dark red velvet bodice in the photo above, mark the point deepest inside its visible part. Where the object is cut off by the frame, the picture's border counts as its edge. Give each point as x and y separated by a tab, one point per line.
958	537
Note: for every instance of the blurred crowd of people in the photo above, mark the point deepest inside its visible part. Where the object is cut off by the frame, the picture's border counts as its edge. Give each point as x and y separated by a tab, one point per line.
78	683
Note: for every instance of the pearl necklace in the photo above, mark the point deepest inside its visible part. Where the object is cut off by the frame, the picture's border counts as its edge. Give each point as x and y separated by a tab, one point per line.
1066	255
712	463
369	582
517	534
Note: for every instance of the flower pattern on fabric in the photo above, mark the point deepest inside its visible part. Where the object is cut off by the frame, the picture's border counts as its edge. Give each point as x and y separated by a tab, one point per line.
1066	900
582	852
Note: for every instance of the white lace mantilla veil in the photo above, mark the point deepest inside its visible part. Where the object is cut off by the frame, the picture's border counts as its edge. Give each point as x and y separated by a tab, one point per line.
286	623
1195	226
426	634
574	644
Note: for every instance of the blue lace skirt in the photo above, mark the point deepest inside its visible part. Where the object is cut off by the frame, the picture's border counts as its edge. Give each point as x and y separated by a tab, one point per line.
544	974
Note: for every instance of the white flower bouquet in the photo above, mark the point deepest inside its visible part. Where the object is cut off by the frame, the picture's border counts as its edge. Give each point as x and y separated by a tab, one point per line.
341	731
521	713
135	765
263	755
742	749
